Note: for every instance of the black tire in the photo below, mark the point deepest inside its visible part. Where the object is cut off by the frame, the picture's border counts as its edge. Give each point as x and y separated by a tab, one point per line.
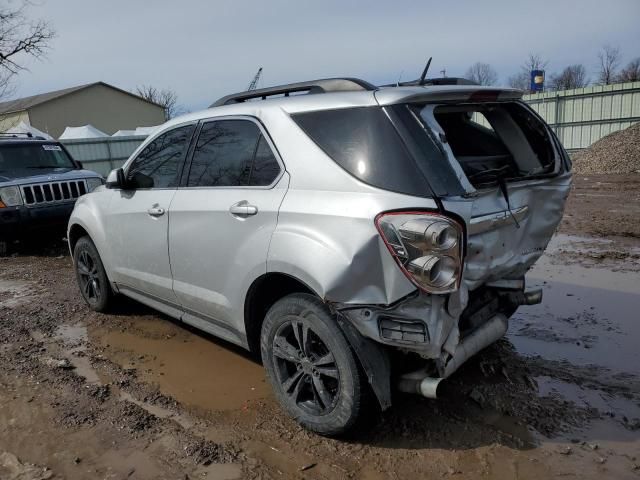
316	381
92	278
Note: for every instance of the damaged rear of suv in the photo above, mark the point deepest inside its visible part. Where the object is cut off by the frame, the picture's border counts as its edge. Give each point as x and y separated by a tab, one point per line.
496	179
383	223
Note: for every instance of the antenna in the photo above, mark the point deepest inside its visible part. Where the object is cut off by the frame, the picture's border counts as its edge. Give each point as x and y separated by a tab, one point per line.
424	72
254	82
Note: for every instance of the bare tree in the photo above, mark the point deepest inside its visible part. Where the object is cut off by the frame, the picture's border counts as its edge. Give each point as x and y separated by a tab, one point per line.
166	98
573	76
609	60
20	38
482	74
521	80
534	62
630	73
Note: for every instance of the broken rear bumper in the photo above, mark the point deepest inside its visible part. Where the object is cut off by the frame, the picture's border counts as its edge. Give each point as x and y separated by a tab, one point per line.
447	329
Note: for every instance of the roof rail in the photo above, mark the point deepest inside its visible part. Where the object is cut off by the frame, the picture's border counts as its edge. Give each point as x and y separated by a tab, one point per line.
433	81
324	85
20	135
16	134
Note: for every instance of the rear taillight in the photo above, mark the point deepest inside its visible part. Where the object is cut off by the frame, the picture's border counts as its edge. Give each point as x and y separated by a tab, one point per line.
427	246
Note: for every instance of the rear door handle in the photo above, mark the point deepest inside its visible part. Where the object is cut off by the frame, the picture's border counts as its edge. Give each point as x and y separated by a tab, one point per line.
156	211
243	209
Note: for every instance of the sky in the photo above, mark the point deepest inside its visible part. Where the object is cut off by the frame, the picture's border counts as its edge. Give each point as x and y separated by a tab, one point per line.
206	49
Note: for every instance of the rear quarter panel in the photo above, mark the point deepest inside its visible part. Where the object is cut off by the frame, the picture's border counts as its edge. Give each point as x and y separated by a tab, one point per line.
329	241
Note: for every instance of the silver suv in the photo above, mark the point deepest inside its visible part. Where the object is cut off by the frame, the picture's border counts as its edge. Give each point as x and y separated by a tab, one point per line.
334	228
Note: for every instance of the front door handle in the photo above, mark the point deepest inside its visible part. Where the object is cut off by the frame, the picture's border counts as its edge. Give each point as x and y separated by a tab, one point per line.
156	211
243	209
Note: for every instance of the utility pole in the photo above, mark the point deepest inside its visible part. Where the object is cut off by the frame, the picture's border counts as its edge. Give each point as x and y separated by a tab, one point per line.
254	82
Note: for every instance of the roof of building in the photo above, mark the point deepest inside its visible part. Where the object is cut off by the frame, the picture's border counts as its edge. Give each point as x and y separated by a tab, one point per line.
25	103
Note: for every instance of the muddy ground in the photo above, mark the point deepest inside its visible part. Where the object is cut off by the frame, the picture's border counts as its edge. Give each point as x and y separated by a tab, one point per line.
136	395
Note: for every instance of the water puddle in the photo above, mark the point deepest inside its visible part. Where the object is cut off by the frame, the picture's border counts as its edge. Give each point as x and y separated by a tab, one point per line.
583	325
605	403
74	339
195	370
13	293
566	251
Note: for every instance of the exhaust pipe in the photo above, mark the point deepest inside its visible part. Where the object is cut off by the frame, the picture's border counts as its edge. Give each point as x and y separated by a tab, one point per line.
533	297
489	333
421	383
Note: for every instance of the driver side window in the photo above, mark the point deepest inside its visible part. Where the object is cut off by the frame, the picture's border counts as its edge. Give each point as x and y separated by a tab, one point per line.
158	165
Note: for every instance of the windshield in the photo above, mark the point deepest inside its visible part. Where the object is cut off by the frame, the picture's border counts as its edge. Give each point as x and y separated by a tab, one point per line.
33	156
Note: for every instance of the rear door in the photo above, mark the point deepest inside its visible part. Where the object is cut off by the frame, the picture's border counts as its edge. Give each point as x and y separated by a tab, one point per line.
137	220
221	222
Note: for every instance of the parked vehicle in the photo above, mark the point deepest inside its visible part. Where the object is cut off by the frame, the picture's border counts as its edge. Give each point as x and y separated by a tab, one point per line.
333	227
39	184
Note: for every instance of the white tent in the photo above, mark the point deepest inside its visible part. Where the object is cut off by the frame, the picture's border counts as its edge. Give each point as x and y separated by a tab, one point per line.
145	130
86	131
22	127
124	133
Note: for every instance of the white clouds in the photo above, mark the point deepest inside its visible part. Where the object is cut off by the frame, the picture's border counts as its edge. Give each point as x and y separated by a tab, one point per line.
205	49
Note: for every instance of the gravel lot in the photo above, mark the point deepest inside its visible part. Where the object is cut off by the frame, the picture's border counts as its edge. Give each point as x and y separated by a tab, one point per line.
134	394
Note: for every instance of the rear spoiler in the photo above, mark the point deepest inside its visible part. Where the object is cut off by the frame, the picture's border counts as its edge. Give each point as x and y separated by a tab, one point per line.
445	93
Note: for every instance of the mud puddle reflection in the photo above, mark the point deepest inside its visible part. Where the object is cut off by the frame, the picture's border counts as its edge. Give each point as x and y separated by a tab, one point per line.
583	325
74	338
195	370
584	342
607	403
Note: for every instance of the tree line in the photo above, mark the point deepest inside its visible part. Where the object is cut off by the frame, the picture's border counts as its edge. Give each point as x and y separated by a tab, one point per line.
572	76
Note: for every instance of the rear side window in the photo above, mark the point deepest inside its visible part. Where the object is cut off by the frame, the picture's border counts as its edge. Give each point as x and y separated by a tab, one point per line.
232	153
265	166
364	142
157	166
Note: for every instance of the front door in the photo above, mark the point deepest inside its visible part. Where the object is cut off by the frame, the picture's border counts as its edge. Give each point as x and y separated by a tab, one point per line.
137	220
221	223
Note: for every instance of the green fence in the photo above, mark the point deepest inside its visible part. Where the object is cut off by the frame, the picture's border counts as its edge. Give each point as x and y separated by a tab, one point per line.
582	116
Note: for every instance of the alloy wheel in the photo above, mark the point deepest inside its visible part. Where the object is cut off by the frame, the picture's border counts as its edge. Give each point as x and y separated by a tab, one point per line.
306	368
89	277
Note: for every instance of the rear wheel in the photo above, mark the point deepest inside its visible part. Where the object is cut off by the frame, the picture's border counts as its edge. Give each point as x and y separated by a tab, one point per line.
91	275
310	365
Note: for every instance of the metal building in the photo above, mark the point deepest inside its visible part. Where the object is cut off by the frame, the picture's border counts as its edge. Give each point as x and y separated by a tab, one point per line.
104	106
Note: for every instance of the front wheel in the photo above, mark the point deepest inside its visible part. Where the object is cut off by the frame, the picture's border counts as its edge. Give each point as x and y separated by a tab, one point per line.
310	365
91	275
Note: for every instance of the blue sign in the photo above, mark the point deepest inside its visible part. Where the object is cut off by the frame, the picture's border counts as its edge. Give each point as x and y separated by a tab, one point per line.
537	81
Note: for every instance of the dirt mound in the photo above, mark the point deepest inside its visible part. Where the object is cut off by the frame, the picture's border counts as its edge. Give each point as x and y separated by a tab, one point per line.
618	152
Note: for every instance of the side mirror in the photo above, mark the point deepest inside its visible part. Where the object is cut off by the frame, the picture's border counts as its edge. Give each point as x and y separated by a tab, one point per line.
116	179
79	164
